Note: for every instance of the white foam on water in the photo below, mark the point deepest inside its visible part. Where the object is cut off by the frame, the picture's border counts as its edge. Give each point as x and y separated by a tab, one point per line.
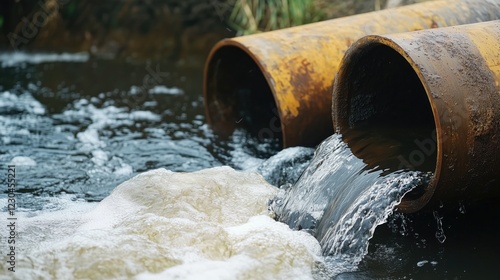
17	58
144	116
99	157
58	218
209	224
165	90
123	170
107	117
19	113
22	160
21	102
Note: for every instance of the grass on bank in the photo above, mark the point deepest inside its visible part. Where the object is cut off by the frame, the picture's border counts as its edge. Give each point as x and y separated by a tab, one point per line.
253	16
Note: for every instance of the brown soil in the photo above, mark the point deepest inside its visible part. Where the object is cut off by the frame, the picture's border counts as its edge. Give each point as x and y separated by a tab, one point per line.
169	29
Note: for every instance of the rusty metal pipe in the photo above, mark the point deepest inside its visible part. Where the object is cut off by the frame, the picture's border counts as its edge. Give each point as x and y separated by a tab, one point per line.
278	84
442	86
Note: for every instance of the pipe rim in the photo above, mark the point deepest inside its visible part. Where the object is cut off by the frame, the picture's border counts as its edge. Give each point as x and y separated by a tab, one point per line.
234	43
341	122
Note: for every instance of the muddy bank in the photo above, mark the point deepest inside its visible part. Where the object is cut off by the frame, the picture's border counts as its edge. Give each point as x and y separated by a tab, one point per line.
155	29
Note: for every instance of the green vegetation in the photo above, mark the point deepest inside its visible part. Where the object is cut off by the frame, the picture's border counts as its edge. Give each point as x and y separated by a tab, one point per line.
72	8
252	16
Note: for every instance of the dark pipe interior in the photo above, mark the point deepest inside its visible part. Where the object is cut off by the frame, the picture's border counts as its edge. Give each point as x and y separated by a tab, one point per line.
238	95
385	115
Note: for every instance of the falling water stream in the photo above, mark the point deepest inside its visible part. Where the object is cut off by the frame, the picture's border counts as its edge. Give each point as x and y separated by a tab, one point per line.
112	184
340	200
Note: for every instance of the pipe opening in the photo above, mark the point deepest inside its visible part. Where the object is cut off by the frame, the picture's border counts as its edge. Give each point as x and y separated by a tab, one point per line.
384	114
237	95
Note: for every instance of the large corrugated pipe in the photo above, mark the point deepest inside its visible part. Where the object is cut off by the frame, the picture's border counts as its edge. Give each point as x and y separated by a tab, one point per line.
278	84
434	95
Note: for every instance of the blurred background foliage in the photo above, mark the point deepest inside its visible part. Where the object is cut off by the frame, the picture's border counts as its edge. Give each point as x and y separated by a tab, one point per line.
253	16
158	29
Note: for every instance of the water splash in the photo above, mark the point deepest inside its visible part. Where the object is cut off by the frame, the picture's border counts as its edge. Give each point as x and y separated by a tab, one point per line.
285	167
341	200
345	241
209	224
440	236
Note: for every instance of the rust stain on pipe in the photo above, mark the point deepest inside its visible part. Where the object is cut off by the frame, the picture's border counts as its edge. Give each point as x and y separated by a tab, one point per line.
278	84
446	80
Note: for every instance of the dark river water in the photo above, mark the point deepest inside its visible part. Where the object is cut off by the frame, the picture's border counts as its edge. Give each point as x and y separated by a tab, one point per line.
76	127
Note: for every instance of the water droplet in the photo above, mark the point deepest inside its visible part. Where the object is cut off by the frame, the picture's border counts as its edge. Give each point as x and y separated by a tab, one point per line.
422	263
461	207
440	236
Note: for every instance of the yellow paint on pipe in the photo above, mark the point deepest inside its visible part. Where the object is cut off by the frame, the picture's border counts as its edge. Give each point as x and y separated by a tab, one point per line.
286	76
444	80
487	44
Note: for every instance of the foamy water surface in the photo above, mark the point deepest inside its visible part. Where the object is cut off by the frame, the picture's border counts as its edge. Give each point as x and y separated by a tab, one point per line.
161	225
